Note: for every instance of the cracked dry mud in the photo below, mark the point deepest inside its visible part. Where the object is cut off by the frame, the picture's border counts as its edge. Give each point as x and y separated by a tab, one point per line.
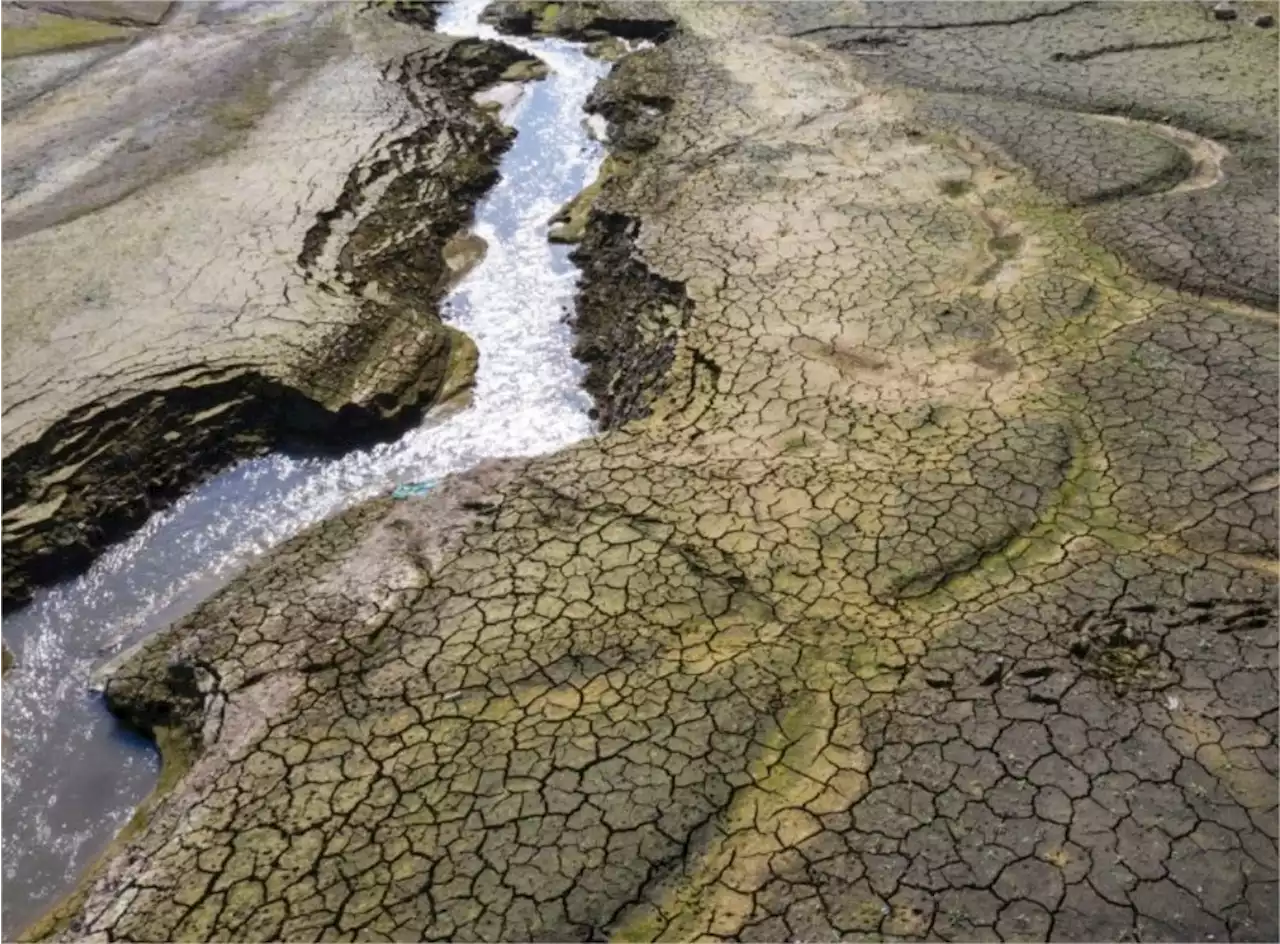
923	586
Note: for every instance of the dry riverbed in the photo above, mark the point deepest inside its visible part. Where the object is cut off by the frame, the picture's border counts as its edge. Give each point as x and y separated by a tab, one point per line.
921	583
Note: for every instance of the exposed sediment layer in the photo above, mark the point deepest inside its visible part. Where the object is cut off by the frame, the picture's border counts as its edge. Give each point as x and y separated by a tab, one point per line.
934	596
627	322
253	328
628	317
586	21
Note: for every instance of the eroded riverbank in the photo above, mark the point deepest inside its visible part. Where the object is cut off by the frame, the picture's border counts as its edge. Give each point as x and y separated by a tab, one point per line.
71	776
236	216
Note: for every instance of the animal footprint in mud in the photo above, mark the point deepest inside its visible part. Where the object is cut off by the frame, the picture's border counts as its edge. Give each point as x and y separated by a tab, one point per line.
1006	244
995	359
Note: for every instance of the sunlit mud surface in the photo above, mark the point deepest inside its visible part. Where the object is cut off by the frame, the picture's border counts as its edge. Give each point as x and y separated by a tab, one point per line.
72	777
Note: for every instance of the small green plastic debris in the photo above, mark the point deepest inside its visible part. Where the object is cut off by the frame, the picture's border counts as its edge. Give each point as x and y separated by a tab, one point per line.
409	489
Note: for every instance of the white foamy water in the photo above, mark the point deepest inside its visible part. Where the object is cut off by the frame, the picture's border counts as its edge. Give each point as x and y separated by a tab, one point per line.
71	775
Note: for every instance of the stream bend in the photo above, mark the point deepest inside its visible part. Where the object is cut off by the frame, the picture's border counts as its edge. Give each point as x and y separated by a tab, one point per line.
72	776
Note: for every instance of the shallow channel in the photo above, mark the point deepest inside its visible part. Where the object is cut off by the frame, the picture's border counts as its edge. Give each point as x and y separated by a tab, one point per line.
72	776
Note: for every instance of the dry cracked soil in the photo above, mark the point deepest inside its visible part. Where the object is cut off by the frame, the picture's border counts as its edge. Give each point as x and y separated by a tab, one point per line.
921	584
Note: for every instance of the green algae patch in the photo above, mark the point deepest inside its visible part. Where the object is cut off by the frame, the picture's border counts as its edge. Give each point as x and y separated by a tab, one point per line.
1077	506
6	660
242	113
955	187
792	778
177	754
460	372
526	70
644	923
1005	245
56	33
547	19
572	217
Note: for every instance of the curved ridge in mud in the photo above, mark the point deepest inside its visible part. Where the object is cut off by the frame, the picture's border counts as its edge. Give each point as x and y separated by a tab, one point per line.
1205	156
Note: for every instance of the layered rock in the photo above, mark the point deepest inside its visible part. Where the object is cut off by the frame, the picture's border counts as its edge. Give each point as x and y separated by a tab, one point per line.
585	21
248	224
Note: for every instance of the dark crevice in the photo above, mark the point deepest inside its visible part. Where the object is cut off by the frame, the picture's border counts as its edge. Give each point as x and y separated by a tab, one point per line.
971	24
1132	47
140	455
873	40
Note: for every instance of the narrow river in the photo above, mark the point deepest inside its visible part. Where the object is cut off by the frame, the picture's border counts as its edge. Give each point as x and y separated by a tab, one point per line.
71	776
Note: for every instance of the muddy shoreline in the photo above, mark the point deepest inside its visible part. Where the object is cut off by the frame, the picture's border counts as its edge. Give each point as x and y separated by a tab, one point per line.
525	399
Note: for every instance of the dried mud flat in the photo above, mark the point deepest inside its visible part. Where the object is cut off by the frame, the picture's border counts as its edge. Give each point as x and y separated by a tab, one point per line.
922	586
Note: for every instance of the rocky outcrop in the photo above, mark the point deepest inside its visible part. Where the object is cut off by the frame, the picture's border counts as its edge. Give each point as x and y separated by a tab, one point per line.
585	21
109	421
627	321
627	318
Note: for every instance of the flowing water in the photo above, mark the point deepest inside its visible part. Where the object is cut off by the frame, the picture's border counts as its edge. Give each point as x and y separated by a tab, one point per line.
71	775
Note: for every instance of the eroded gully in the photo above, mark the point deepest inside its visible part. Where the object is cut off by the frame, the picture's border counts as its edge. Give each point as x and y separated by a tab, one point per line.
72	776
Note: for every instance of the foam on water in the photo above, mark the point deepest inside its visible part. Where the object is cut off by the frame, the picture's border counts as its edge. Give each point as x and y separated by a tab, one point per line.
71	775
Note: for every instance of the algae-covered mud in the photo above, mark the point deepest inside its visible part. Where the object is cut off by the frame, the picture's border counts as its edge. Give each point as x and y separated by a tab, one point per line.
921	585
